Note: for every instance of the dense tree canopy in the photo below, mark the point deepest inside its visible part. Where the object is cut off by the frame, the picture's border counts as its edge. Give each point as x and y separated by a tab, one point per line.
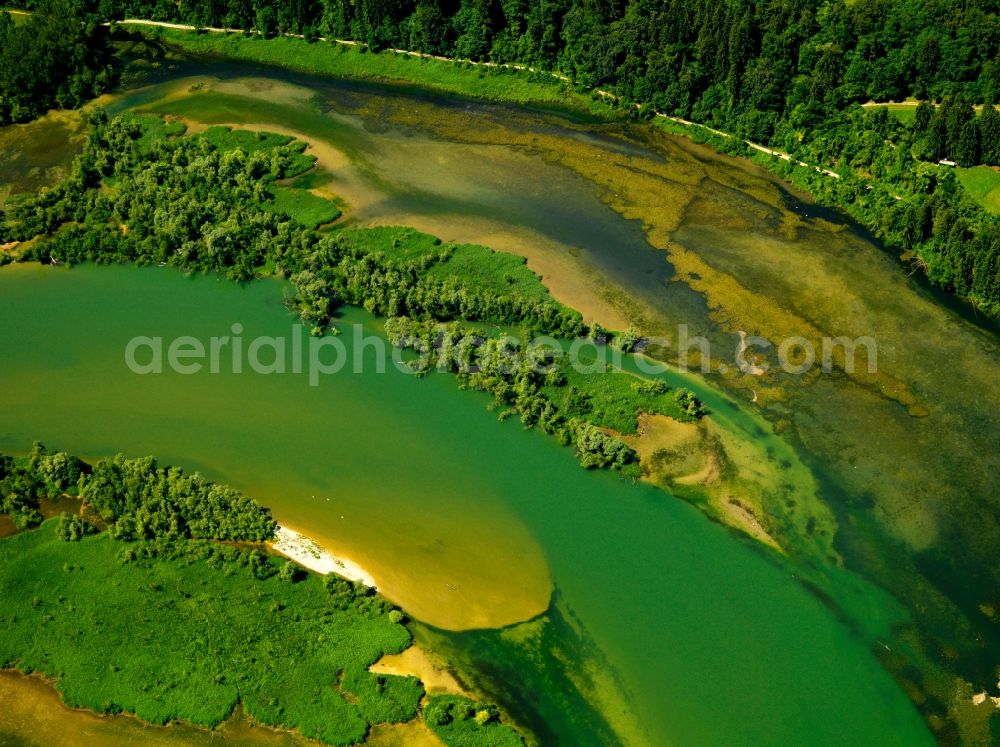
750	62
55	59
141	500
754	65
136	498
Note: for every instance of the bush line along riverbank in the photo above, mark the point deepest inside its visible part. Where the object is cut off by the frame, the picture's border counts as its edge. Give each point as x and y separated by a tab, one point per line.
158	598
219	185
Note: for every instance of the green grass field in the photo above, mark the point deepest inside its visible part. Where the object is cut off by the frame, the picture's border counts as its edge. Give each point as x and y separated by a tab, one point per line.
491	271
983	184
905	113
154	128
186	637
399	242
308	209
473	266
348	62
226	138
612	399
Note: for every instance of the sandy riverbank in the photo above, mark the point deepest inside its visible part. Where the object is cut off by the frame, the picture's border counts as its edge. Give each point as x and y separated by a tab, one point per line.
310	554
425	666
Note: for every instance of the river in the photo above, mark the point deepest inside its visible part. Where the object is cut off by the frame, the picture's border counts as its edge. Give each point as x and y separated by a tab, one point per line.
665	627
473	525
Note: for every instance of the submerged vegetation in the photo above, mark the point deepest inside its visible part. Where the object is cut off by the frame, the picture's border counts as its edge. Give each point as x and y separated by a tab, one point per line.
891	182
155	617
422	260
794	76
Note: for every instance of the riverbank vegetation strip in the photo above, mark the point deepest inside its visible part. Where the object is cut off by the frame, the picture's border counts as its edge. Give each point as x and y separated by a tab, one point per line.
220	186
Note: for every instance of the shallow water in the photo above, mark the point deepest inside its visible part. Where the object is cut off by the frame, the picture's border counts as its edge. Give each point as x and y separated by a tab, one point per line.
693	633
37	155
507	196
34	716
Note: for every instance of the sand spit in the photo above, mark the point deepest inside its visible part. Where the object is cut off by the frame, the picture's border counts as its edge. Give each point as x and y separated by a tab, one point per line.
310	554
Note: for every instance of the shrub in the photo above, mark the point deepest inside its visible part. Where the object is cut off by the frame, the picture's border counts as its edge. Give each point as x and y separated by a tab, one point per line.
73	528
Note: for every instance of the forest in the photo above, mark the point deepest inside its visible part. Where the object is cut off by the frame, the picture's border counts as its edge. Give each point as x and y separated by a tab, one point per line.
759	66
58	58
766	69
791	74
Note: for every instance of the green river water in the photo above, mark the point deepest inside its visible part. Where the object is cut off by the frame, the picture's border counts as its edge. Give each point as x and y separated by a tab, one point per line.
595	611
696	633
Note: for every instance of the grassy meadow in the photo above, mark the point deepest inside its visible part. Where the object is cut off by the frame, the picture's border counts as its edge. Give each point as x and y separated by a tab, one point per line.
311	210
472	266
187	635
615	398
983	185
905	112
